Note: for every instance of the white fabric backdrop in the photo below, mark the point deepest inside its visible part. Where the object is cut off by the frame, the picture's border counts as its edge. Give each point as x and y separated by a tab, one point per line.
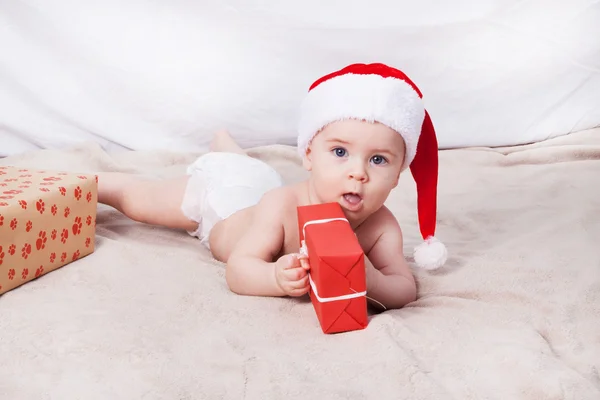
138	74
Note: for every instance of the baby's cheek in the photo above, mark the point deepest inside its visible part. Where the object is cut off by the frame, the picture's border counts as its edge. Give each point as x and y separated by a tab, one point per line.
326	176
383	183
327	185
390	174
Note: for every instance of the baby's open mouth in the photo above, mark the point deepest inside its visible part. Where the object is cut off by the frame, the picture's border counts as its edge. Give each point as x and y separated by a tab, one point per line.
353	198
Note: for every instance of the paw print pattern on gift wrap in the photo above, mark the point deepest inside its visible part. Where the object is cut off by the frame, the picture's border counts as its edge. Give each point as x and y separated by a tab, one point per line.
26	251
64	236
40	206
47	231
77	225
40	243
78	193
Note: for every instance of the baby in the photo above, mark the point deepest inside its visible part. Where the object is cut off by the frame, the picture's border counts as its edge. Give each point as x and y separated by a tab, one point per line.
360	128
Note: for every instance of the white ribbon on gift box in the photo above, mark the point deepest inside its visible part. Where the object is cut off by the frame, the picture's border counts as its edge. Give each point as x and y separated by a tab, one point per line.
304	251
303	248
334	298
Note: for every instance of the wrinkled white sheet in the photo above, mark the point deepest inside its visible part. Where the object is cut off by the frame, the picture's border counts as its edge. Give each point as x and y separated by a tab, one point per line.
142	75
514	314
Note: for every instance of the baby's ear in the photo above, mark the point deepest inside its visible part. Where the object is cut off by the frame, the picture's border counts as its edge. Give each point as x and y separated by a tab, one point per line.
307	160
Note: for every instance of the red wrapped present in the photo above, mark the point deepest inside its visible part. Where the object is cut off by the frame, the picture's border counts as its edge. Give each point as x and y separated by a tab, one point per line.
47	220
337	268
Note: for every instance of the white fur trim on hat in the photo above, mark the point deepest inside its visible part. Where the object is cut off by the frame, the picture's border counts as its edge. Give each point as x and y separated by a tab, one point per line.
390	101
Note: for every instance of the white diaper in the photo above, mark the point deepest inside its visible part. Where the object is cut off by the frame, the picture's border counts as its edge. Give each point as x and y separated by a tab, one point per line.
221	184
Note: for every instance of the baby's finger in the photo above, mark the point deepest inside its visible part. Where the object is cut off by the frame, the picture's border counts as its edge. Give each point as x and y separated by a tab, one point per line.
304	262
299	284
294	274
299	292
292	261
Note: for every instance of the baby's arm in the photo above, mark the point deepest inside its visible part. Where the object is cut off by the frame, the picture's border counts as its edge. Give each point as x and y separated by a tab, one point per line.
156	202
389	278
250	268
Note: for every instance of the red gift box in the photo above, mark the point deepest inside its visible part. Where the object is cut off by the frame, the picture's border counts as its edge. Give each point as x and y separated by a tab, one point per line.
337	268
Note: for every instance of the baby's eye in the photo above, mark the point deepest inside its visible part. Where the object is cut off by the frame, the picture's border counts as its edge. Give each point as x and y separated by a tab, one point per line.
339	151
378	160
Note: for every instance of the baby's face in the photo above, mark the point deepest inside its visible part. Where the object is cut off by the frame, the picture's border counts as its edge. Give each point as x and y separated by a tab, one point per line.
356	164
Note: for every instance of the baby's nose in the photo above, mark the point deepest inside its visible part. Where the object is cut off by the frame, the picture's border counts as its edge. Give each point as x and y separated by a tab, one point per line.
358	172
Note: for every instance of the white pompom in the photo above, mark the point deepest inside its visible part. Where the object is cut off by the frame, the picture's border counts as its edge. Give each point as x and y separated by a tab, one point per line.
431	254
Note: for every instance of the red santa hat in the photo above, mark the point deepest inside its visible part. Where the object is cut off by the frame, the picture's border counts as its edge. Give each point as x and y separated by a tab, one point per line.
379	93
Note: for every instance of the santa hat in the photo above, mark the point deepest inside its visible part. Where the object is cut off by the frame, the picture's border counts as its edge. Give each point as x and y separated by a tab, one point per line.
377	92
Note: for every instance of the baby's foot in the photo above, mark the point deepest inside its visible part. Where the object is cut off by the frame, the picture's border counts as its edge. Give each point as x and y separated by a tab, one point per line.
223	142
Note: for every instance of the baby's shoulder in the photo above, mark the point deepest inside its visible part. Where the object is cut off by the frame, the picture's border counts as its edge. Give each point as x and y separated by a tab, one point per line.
276	204
381	218
378	223
280	198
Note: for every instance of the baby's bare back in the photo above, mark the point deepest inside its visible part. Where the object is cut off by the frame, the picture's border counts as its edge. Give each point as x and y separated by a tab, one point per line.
227	234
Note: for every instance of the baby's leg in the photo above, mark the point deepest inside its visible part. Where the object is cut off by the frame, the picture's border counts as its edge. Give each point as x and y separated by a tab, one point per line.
156	202
223	142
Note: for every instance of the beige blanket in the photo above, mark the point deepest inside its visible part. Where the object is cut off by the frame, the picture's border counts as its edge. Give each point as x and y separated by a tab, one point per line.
514	315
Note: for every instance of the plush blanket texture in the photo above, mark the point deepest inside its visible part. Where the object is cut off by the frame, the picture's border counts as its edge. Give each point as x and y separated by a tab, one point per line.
515	314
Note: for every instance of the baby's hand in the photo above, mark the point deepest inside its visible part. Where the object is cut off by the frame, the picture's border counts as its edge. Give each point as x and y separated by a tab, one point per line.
291	274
